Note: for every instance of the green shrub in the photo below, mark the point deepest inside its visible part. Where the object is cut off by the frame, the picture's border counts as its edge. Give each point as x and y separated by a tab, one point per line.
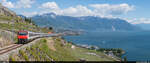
11	58
24	55
43	40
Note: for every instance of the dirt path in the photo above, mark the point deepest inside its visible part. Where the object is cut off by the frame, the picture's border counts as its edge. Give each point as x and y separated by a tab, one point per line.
50	43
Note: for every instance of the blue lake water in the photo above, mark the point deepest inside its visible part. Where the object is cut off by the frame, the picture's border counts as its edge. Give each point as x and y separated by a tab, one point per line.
136	44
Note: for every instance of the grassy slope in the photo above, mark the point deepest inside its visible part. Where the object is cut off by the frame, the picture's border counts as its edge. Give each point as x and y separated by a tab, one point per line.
41	51
67	53
20	25
3	17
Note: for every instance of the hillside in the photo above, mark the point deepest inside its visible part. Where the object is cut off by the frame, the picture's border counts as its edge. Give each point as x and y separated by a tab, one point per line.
45	49
56	49
87	23
9	21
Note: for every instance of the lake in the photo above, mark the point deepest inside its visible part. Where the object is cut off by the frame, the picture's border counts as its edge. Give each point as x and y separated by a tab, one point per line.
136	44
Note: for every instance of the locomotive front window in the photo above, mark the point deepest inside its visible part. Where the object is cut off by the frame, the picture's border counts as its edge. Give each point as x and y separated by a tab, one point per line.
22	33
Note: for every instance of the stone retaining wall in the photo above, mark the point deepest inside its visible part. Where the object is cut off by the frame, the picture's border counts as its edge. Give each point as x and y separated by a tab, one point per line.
5	56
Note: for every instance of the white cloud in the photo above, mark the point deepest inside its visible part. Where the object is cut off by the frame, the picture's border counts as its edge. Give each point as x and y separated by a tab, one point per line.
138	20
49	5
102	10
79	10
18	4
29	14
108	10
24	3
7	4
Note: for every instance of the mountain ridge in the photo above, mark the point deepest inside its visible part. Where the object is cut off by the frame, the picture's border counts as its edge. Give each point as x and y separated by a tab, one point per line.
144	26
83	23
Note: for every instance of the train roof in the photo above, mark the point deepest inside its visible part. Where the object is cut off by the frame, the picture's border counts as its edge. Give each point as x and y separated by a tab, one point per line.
22	31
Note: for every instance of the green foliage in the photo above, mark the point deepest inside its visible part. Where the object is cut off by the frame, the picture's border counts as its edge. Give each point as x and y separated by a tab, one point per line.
2	17
92	48
43	40
41	51
66	53
22	53
125	59
116	51
26	57
11	58
50	28
28	20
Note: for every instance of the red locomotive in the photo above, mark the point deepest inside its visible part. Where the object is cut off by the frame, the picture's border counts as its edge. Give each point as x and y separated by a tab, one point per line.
23	37
27	36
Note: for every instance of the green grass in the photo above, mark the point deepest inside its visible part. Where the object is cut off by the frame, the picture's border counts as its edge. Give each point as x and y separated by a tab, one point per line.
81	53
40	51
34	50
2	17
11	58
23	54
66	53
22	26
9	18
56	55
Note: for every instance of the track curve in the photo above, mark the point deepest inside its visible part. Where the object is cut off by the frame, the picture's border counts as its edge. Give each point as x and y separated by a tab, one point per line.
9	48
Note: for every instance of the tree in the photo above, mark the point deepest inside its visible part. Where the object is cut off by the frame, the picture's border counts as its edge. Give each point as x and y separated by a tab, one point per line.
101	49
50	28
92	48
125	59
29	20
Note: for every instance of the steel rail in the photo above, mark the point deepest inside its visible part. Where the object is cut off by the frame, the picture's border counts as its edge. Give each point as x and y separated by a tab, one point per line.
10	48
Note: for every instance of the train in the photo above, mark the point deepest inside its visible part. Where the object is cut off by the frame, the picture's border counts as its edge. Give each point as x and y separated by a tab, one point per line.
22	37
27	36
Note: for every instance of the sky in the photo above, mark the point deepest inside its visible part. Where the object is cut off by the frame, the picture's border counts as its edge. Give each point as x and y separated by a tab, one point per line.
133	11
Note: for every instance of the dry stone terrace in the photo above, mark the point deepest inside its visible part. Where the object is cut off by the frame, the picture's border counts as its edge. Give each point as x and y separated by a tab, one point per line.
5	57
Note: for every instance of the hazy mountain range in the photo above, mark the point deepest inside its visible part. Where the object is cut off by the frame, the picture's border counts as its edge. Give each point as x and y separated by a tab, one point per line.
144	26
89	23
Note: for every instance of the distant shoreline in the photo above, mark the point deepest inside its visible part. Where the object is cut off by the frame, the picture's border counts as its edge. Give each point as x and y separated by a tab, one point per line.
91	47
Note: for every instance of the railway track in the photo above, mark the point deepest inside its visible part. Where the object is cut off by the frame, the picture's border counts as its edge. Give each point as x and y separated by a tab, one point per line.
37	35
9	48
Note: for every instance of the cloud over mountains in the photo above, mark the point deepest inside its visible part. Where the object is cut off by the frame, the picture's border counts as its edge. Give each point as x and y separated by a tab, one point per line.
101	10
18	4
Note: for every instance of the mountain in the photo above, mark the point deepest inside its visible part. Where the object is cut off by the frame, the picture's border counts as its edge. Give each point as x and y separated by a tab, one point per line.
87	23
143	26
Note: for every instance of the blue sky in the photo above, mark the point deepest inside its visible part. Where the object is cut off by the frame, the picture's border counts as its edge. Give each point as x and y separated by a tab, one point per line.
134	11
